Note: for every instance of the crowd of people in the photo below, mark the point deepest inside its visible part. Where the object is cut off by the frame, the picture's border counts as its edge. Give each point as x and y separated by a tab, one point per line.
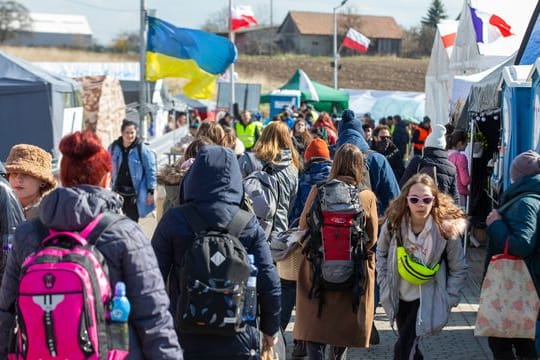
380	208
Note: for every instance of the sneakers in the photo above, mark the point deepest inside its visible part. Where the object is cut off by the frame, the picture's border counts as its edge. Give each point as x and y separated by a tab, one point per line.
299	350
374	339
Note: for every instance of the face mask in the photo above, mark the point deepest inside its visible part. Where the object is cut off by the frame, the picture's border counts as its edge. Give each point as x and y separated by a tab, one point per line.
382	144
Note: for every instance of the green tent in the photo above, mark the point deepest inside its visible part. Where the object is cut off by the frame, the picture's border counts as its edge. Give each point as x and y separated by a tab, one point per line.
328	97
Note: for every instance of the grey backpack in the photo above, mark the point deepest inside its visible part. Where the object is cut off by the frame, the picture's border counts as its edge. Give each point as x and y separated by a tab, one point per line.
263	190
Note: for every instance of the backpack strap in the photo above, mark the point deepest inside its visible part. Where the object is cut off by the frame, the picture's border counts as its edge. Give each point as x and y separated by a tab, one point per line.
197	223
239	222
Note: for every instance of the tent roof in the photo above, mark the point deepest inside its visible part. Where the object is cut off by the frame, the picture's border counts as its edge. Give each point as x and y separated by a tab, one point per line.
15	68
326	93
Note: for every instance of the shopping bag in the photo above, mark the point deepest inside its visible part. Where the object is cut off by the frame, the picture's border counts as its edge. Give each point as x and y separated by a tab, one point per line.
508	300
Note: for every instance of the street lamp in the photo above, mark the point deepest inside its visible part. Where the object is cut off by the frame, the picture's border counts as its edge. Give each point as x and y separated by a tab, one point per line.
343	2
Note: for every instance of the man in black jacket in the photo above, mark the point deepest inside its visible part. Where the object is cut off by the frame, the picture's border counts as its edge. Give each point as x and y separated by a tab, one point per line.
400	136
382	143
11	215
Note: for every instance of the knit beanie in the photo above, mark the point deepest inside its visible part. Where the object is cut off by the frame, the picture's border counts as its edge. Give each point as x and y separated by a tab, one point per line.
437	138
31	160
317	149
527	163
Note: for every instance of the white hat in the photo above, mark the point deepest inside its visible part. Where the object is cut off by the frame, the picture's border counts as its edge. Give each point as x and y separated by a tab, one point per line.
437	138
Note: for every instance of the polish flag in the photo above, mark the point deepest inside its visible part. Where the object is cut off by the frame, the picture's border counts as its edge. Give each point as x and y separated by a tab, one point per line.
356	41
489	27
242	16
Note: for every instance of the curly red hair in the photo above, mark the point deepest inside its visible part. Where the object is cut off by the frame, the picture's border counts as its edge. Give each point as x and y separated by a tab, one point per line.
84	159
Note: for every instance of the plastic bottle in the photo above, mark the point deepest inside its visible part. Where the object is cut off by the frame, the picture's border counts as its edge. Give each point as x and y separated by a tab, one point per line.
120	308
250	301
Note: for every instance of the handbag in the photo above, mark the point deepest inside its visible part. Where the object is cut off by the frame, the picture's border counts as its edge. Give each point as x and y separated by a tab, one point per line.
508	300
286	249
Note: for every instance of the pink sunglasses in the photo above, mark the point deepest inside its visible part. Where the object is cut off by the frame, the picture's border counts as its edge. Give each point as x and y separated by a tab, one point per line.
415	199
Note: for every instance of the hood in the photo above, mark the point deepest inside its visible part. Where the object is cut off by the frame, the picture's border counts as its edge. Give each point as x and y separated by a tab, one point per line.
136	142
529	183
431	152
285	161
71	208
214	177
454	228
351	132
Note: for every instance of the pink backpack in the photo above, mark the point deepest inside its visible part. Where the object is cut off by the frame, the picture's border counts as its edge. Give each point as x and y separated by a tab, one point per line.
64	297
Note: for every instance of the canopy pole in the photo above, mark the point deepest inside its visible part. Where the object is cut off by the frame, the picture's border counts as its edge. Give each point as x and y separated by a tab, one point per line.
231	68
142	81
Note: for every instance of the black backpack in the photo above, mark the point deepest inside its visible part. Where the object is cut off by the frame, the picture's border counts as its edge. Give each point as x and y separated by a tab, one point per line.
213	277
337	246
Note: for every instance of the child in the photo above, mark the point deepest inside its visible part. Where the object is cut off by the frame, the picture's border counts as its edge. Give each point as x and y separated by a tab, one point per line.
426	226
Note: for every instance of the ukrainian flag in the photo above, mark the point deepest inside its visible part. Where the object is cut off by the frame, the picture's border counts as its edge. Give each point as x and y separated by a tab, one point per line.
198	56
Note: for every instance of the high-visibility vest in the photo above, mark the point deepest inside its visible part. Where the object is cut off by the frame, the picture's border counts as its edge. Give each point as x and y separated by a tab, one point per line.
246	133
422	135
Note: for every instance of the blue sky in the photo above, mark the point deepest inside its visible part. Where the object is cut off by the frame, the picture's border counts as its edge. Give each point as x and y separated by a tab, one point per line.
109	18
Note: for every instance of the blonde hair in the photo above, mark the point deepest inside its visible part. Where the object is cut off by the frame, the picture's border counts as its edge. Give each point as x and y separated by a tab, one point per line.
348	161
443	205
229	139
212	131
274	138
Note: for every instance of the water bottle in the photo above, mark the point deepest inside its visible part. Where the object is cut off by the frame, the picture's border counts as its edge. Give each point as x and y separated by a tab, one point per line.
250	301
120	308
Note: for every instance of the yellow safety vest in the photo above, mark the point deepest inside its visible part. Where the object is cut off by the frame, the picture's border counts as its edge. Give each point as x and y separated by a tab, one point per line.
246	133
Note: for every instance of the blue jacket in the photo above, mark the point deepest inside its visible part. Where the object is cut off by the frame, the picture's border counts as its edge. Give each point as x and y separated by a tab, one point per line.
520	225
136	165
129	257
383	180
315	172
214	185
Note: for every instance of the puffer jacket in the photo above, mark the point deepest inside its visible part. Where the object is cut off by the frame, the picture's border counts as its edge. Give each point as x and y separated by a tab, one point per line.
438	295
446	171
11	215
315	172
214	186
143	171
461	163
286	175
129	257
520	225
382	178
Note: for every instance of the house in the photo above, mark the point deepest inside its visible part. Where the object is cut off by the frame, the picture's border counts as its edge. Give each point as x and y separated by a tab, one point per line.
59	30
312	33
255	40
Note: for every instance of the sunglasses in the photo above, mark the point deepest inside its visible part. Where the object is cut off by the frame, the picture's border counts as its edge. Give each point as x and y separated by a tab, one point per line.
415	199
384	137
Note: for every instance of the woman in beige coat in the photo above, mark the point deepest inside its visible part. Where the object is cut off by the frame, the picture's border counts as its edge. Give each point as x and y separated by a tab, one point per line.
337	323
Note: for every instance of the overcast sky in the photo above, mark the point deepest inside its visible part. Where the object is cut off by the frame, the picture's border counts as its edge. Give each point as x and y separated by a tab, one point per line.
109	18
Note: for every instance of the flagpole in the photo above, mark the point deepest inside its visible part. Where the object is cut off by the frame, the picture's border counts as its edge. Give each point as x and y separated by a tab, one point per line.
336	55
142	80
231	69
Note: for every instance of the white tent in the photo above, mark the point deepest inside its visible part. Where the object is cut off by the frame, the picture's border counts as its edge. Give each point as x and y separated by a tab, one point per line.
438	76
468	56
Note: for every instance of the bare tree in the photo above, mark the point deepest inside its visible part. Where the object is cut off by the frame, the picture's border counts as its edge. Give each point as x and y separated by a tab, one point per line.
126	42
13	17
218	21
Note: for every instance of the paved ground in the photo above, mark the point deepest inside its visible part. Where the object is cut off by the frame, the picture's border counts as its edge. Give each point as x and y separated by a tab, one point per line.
456	342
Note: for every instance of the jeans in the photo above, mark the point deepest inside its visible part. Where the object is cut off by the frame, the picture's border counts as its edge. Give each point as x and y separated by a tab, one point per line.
288	300
315	351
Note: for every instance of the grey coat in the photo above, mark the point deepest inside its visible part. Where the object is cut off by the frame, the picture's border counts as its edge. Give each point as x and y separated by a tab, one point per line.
286	175
130	259
438	295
